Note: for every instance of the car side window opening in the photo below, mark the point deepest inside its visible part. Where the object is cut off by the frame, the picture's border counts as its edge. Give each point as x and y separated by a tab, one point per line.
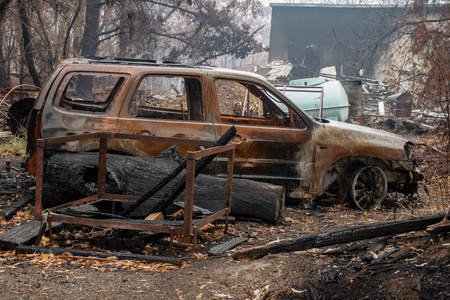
295	120
246	103
168	97
91	93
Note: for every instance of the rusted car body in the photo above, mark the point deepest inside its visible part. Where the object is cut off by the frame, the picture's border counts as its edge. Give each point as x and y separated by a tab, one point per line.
311	157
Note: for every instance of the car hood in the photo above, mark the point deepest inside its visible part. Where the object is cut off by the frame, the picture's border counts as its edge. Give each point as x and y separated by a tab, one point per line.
346	139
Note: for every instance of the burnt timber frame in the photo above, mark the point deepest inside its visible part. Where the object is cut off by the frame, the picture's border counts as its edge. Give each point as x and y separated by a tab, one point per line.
188	229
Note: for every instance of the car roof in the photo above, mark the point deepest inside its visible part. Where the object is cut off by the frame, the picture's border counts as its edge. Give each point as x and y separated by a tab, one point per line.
155	64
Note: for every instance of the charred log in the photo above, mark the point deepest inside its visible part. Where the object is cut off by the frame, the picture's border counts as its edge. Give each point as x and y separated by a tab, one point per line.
172	195
339	236
71	176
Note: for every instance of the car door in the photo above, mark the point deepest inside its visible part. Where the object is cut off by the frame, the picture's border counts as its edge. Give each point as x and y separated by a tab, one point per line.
166	105
273	146
85	100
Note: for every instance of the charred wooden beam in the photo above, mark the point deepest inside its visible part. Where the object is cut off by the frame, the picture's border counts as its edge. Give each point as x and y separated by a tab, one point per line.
99	254
339	236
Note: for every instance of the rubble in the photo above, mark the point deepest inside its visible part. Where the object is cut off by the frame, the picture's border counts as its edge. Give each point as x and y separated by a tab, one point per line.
396	112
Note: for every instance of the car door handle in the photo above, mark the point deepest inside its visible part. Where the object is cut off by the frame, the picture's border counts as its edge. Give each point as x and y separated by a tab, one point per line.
237	139
145	132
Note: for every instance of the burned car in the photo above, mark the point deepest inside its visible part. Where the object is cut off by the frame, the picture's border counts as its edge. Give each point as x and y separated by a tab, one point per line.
276	141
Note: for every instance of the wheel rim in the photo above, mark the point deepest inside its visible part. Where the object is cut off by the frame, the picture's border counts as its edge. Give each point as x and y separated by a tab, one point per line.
368	187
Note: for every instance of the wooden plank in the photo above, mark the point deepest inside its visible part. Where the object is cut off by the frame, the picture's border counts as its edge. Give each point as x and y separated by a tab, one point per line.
11	210
223	248
155	217
24	234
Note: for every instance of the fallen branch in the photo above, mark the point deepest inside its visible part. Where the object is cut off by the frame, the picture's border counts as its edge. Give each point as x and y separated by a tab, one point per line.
339	236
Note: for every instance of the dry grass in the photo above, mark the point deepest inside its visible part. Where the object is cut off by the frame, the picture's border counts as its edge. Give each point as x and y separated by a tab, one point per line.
13	146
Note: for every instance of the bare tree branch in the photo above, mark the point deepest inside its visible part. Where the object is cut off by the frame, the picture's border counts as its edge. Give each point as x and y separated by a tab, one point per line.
107	38
171	6
220	53
109	31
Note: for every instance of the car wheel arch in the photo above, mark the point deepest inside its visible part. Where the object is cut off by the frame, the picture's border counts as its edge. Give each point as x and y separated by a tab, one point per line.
335	179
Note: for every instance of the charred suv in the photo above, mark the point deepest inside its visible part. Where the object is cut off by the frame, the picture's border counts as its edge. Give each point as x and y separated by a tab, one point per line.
276	141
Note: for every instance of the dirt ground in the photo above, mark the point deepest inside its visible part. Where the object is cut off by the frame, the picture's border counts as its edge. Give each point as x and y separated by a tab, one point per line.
419	269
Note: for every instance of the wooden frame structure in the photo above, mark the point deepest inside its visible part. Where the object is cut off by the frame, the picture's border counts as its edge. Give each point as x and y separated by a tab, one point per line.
189	226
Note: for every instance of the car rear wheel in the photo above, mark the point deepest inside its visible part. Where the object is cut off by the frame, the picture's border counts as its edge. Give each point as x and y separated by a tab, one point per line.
368	185
18	116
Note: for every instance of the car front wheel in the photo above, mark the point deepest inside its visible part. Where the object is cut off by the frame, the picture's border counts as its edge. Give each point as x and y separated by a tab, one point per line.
367	187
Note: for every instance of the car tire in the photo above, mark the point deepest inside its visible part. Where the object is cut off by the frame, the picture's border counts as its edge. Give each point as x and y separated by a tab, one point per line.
18	116
367	187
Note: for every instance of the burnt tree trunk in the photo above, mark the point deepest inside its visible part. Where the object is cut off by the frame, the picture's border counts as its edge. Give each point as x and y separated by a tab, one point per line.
71	176
89	42
27	43
4	77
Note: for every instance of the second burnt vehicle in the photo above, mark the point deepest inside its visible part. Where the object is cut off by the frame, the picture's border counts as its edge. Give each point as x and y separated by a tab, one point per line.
311	157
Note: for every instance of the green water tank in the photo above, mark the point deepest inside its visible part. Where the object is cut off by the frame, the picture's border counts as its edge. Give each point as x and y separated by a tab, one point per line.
306	94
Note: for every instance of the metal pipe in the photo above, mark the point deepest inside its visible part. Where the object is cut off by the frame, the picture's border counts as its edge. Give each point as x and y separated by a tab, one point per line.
321	103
